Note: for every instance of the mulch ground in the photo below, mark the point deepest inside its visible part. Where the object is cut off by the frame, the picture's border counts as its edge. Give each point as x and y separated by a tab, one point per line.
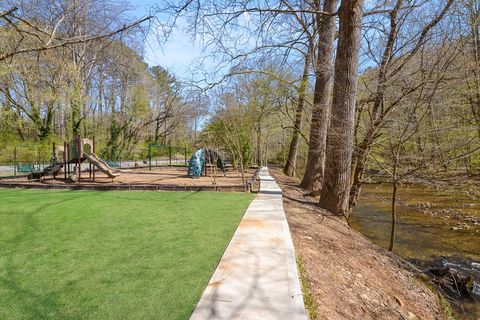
159	176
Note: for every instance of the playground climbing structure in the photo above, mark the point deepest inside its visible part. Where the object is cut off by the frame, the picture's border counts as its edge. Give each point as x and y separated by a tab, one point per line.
201	158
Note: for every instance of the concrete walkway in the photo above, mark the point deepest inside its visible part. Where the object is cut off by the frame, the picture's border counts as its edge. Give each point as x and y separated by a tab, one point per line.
257	277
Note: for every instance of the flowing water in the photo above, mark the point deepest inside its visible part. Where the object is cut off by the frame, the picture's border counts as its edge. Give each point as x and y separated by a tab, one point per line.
434	228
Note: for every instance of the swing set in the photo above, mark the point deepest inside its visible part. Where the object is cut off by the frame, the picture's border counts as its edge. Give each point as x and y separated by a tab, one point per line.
29	164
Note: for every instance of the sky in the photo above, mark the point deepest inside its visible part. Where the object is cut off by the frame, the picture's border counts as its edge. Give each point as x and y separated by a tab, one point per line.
177	54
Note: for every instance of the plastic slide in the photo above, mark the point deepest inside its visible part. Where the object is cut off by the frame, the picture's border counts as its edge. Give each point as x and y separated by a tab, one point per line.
102	165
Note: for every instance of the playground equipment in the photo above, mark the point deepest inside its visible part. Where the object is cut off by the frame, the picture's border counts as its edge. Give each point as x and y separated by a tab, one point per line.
201	158
35	169
103	165
27	166
69	157
54	168
79	150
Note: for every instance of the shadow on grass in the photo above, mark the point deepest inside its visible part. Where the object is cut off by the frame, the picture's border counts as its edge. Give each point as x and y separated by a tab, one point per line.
35	305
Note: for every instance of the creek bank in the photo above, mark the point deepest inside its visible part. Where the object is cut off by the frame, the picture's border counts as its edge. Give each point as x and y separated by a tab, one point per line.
349	277
436	230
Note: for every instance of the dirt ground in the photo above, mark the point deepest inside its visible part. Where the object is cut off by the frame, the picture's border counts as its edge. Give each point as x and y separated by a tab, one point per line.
142	176
348	276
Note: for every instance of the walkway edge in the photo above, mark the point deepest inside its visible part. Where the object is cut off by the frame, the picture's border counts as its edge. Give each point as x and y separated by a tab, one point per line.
257	276
294	275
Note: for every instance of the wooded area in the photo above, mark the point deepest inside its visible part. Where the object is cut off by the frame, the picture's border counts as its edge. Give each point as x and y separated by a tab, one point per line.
386	88
331	90
76	68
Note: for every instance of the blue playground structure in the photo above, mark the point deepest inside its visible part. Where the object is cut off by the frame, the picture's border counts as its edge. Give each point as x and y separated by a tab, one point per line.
201	158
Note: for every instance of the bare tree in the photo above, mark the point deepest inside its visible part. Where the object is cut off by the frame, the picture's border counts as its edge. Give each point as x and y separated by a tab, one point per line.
291	162
469	11
396	56
401	154
314	169
34	34
336	185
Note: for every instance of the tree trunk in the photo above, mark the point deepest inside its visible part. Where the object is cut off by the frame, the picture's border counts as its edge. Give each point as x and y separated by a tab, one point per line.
46	129
84	110
336	184
475	34
76	109
362	150
475	107
100	103
358	167
113	128
314	169
156	135
394	212
259	145
291	163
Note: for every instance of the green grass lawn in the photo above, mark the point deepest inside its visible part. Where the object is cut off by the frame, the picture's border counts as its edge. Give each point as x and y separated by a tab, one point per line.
110	255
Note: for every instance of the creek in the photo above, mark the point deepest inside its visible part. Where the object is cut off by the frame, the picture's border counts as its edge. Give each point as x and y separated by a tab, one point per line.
435	228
